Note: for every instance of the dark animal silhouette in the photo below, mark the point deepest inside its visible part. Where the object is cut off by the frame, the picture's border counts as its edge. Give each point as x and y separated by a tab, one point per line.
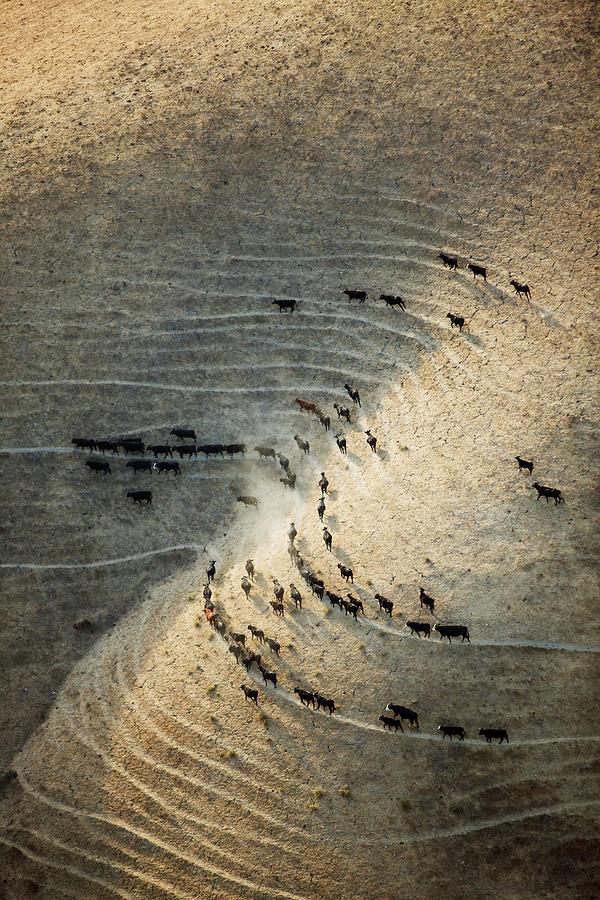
353	394
477	270
524	464
250	568
328	538
346	573
283	461
278	590
302	445
211	571
236	651
390	723
296	596
450	631
335	599
403	712
160	449
490	733
342	411
325	421
307	406
266	452
238	637
185	450
209	449
354	601
450	262
274	645
84	444
138	496
220	626
292	533
257	633
350	609
548	493
323	483
166	465
452	730
341	442
289	480
206	592
247	500
384	603
140	465
321	508
307	698
521	289
285	304
361	296
390	300
133	447
419	628
184	433
246	586
250	693
104	446
268	676
277	607
457	321
325	703
371	441
234	448
98	465
426	600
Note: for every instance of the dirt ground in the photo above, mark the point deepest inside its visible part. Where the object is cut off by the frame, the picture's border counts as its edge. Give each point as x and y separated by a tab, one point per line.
170	169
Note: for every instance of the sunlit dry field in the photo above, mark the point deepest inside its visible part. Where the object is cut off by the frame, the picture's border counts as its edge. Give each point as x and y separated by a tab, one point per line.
170	170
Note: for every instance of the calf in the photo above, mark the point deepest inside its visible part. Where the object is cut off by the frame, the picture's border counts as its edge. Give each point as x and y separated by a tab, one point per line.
247	500
425	600
104	446
168	466
250	693
524	464
390	300
268	676
325	703
419	628
521	289
238	637
384	603
457	321
490	733
451	631
163	449
302	445
234	448
246	586
342	412
327	538
84	444
548	493
184	433
138	496
477	270
307	406
266	453
324	420
452	730
361	296
346	573
283	462
277	607
285	304
140	465
250	568
390	723
257	633
98	465
403	712
341	442
306	697
353	394
296	596
371	441
211	571
274	645
186	450
450	262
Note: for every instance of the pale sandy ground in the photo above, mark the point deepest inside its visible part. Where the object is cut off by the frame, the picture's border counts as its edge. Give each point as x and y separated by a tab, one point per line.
169	169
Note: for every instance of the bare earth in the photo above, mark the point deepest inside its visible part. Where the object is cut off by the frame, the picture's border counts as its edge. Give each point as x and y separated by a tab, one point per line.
169	169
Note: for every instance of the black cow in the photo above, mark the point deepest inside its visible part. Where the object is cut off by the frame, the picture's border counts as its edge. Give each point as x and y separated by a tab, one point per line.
292	533
426	600
321	508
350	609
390	300
353	394
490	733
477	270
450	262
324	420
390	723
140	465
524	464
371	441
548	493
274	645
247	500
266	452
341	442
328	539
521	289
111	446
335	599
138	496
246	586
278	590
361	296
419	628
133	446
283	462
323	483
250	568
285	304
184	433
306	697
457	321
210	449
84	444
234	448
98	465
211	571
268	676
238	637
168	466
302	445
296	596
250	693
237	651
257	633
289	480
356	602
452	730
403	712
342	411
384	603
163	449
185	450
346	573
207	594
451	631
325	703
277	607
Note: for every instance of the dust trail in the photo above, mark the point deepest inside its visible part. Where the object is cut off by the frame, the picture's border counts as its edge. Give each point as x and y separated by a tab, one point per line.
101	563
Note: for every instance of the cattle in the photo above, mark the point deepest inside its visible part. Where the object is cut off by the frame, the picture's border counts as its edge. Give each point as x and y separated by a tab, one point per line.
246	586
302	445
342	412
341	442
350	609
266	453
253	658
325	703
392	301
220	626
268	676
425	600
206	592
278	590
524	464
450	262
274	645
132	446
371	441
390	723
283	462
210	615
490	733
247	500
386	604
208	604
184	433
185	450
321	508
138	496
324	420
98	465
250	693
84	444
356	602
346	573
403	712
457	321
521	289
104	446
353	394
166	465
477	270
209	449
548	493
314	582
452	730
250	568
307	406
277	607
289	480
451	631
234	448
257	633
162	449
140	465
306	697
419	628
327	538
319	590
361	296
236	651
84	625
285	304
292	533
296	596
211	571
238	637
323	483
335	599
